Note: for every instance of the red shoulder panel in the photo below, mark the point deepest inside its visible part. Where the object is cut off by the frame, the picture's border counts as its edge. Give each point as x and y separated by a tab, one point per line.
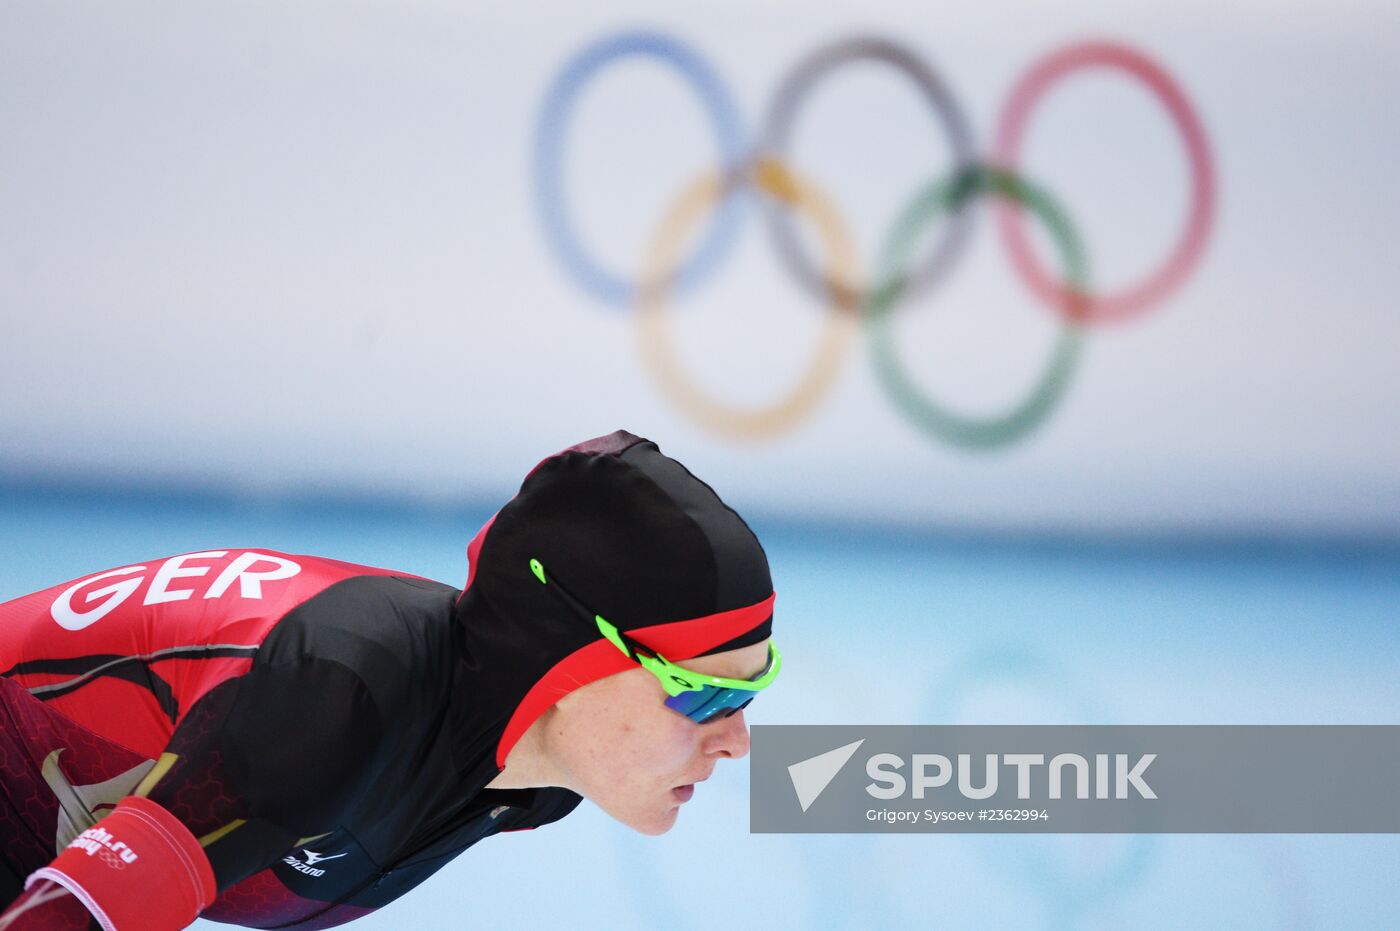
126	652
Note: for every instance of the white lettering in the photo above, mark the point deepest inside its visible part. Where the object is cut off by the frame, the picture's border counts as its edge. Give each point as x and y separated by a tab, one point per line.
174	568
921	778
94	840
894	817
936	816
1023	763
1081	774
300	867
250	582
934	771
988	789
62	610
1134	776
874	768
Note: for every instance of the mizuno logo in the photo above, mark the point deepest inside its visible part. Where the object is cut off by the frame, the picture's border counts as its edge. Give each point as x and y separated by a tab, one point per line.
312	858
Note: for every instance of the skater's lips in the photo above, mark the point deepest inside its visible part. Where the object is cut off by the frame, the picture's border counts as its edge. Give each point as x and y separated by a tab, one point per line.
684	792
701	778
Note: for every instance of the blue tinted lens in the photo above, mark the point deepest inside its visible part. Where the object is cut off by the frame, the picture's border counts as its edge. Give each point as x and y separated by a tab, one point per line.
709	702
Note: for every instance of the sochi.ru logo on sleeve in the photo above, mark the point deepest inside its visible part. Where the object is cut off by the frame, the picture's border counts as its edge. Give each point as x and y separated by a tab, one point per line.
114	853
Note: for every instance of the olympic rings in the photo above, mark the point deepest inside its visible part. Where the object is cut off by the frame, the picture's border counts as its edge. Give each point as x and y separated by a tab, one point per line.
899	279
781	185
553	127
949	196
789	97
1188	249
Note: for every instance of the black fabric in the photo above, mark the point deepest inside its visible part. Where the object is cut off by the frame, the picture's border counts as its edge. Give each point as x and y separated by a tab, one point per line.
739	565
337	736
377	695
631	533
11	884
327	728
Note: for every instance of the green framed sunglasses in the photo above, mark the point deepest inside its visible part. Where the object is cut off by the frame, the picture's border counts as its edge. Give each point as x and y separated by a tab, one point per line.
696	695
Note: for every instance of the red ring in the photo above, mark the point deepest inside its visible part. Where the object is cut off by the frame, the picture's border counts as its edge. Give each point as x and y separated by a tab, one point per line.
1132	300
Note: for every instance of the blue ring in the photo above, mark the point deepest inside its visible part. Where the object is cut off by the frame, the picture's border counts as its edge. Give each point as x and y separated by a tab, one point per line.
553	125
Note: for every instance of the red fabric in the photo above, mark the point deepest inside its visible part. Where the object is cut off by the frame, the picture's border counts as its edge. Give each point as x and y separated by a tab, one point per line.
32	733
139	869
46	906
261	901
73	633
676	640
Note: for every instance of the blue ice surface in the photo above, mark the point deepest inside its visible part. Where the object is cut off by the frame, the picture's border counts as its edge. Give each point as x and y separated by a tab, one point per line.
882	626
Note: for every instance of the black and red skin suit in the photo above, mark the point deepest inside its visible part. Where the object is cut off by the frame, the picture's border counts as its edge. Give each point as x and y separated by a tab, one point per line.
326	730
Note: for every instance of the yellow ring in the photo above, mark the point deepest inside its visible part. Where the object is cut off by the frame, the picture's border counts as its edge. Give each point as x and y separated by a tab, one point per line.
663	260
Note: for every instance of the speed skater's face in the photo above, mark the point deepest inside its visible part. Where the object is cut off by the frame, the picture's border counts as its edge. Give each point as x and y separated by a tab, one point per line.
615	742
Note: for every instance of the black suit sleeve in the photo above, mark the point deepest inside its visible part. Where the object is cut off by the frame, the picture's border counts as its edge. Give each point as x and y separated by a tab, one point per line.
270	758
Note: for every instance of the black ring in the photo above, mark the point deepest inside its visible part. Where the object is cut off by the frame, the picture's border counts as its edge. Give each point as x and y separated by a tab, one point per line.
777	132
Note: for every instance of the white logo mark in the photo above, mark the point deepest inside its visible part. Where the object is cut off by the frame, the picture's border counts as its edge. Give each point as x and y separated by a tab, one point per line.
810	777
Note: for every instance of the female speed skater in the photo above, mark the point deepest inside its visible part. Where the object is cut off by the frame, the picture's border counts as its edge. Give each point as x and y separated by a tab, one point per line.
274	740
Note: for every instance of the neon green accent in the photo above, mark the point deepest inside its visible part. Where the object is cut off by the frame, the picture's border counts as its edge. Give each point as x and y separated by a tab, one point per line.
674	679
669	675
610	632
677	679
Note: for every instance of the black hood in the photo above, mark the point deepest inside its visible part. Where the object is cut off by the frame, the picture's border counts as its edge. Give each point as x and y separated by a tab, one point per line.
634	536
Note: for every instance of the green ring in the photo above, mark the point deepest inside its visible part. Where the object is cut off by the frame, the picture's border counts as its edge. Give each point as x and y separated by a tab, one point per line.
935	200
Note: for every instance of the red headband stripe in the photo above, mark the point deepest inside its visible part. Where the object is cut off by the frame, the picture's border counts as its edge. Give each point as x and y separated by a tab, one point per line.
676	640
